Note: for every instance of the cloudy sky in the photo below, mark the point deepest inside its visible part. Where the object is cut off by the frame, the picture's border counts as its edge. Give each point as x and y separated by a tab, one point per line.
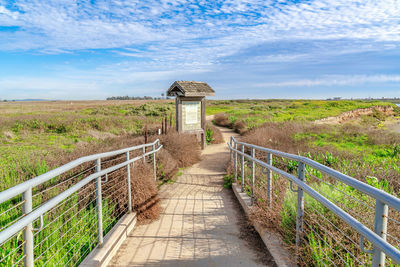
69	49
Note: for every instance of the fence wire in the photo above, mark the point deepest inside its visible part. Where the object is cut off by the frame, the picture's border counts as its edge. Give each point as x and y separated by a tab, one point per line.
326	240
65	234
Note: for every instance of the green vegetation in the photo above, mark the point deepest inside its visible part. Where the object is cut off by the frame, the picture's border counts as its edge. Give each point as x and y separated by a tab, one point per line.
35	139
26	137
209	136
257	112
228	180
361	148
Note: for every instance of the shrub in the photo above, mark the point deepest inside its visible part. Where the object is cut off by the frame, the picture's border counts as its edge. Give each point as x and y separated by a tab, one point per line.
167	166
222	119
145	194
378	115
184	148
239	127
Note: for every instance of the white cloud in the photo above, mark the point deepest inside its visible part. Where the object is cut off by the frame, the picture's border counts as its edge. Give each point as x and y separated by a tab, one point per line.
222	26
334	80
163	40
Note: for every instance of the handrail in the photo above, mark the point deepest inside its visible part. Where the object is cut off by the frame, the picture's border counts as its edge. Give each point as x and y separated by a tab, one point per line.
32	216
376	237
365	188
25	222
20	188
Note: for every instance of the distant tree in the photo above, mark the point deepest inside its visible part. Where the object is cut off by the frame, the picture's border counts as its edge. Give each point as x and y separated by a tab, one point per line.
132	98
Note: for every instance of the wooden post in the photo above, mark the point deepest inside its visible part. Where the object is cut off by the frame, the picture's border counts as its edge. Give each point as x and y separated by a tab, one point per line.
162	125
178	114
203	140
145	134
170	120
166	123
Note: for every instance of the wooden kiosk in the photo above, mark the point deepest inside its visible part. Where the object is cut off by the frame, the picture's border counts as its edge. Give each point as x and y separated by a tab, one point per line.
191	107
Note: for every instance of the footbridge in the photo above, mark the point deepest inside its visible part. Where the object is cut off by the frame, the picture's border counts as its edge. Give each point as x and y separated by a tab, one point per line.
301	213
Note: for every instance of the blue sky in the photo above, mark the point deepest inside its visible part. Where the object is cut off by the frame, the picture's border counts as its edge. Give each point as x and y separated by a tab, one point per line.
244	49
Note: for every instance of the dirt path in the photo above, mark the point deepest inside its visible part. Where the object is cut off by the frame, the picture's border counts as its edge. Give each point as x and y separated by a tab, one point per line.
201	223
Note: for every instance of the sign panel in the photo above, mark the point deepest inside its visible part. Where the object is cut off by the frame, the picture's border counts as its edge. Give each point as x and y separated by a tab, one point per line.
191	115
191	110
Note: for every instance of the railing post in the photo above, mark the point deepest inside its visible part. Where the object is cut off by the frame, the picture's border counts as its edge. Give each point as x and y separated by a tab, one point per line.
128	170
99	204
144	152
28	234
236	162
242	167
231	142
269	180
154	163
253	171
300	212
380	228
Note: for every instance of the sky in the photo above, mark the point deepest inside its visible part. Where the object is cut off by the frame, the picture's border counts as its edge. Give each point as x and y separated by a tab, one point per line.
78	50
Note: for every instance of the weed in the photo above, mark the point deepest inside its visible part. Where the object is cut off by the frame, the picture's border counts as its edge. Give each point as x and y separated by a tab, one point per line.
228	180
209	136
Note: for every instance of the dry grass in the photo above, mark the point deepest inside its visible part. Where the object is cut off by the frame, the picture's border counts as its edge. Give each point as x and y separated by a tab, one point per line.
56	106
276	136
343	143
145	194
221	119
179	150
239	126
184	148
167	165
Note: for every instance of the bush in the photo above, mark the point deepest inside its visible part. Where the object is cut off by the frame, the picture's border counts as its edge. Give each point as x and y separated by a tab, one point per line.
184	148
144	193
222	119
167	166
378	115
239	127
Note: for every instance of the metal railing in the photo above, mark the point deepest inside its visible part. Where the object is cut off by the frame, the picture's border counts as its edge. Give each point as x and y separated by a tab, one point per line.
323	224
74	206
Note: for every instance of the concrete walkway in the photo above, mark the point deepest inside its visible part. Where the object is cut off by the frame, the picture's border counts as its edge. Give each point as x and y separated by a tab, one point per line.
199	225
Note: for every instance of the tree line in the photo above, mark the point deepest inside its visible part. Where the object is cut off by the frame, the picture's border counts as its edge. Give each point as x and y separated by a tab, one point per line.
135	98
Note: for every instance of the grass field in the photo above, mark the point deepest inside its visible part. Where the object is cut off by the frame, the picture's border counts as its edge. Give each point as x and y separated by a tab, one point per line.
38	136
33	131
254	113
361	147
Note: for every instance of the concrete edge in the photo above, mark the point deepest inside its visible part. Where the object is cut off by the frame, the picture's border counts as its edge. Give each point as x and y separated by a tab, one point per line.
273	241
101	256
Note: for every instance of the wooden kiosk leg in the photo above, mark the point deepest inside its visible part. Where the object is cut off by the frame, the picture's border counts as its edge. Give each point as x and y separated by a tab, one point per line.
203	140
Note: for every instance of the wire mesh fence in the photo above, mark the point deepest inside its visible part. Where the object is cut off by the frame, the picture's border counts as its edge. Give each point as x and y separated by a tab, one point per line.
322	233
78	200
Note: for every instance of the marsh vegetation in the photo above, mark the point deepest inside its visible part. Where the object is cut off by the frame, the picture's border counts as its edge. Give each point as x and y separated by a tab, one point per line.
361	147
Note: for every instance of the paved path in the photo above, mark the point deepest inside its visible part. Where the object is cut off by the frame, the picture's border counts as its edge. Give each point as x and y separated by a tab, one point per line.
199	225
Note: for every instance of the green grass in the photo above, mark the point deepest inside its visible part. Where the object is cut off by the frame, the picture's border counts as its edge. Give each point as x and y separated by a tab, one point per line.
362	149
28	139
257	112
